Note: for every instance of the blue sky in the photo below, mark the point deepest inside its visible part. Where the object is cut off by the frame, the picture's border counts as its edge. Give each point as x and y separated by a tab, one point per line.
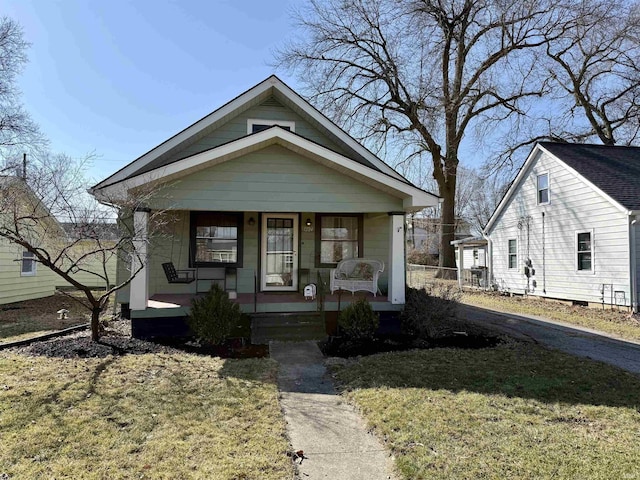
119	77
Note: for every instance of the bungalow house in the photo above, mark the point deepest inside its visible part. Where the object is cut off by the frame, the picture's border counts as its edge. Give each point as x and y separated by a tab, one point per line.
267	195
567	228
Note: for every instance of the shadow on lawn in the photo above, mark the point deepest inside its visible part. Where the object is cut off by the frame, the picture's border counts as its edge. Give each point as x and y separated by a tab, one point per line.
514	370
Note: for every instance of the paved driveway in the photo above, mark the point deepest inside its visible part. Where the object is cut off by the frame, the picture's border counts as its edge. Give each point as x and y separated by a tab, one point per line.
571	339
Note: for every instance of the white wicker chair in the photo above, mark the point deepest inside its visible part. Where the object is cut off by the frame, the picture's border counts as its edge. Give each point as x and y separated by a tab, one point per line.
356	274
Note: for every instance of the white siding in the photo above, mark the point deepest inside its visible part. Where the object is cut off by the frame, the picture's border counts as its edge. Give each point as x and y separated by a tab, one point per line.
574	206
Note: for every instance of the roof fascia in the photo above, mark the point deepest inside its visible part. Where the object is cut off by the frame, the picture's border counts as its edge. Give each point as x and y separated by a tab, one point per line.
413	197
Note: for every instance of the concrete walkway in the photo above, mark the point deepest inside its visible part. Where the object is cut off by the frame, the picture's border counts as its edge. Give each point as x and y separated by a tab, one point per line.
571	339
332	435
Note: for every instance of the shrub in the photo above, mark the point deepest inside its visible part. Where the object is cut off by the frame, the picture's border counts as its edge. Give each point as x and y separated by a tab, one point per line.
358	320
214	315
421	257
428	314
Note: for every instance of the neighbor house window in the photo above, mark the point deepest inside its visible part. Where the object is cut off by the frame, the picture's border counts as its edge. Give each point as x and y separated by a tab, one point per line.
28	267
255	125
338	237
543	188
216	239
584	251
513	253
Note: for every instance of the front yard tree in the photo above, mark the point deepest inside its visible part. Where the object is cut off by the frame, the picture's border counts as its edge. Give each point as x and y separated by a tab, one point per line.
421	73
51	216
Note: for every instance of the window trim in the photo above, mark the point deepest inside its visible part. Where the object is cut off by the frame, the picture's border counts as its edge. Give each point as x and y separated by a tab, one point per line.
261	121
318	228
592	270
538	190
32	259
509	254
192	240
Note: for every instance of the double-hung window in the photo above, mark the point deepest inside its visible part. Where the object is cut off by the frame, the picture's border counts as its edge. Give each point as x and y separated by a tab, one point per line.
513	253
338	237
543	188
28	267
584	251
216	239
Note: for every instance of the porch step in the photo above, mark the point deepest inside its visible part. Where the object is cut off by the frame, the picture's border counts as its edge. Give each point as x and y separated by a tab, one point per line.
266	327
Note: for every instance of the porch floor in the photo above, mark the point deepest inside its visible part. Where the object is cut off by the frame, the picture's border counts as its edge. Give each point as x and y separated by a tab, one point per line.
168	304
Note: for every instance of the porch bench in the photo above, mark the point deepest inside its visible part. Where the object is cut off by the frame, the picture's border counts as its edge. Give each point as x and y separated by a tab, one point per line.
356	274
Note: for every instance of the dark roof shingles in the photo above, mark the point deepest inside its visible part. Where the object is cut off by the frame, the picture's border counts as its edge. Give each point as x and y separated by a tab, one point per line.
614	170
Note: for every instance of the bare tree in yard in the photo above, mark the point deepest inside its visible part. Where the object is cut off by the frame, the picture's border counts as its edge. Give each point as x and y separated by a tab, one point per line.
595	63
31	213
421	72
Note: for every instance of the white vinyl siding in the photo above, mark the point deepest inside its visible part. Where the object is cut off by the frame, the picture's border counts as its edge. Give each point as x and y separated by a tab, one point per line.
550	239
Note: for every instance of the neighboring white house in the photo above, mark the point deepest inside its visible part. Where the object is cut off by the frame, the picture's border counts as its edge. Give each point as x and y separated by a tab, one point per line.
472	265
567	227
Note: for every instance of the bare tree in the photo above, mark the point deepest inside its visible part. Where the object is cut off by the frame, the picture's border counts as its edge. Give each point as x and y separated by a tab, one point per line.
595	63
17	129
32	213
421	72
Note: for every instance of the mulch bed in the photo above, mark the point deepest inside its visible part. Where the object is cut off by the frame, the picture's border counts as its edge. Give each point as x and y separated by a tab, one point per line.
345	348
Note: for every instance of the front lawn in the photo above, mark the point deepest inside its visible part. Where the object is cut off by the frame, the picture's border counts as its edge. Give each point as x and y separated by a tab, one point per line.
618	323
515	411
153	416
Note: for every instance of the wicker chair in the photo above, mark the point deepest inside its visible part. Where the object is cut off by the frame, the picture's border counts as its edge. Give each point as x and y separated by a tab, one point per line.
357	274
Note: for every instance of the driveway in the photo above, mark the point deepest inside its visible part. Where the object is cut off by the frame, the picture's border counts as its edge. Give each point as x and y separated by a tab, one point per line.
561	336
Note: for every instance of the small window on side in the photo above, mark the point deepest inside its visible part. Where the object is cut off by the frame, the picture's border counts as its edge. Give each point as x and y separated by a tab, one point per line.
584	252
28	267
543	188
513	253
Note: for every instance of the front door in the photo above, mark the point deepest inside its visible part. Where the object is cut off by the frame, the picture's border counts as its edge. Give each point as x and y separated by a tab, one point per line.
279	252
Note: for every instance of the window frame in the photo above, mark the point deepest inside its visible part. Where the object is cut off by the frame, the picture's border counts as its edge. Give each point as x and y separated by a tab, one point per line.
261	121
30	256
548	189
318	228
192	240
509	254
578	252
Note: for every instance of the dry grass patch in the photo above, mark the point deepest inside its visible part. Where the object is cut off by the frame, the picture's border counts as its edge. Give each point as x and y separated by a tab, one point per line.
31	318
155	416
619	323
516	411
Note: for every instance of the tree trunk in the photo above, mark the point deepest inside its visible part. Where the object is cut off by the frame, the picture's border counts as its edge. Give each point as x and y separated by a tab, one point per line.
95	323
447	229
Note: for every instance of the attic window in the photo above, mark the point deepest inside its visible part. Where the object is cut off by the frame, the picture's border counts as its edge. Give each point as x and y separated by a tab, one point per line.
543	189
255	125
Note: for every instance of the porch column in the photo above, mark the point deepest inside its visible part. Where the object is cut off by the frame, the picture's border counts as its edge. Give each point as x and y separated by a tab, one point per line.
460	248
139	290
397	278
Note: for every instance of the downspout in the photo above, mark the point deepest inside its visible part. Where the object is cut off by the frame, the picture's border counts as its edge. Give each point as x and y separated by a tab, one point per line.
634	265
544	264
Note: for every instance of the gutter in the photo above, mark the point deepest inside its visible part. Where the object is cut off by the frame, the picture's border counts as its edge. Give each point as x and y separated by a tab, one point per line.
633	260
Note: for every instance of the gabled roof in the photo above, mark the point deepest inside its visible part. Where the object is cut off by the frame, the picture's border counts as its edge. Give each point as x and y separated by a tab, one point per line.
162	155
413	197
612	171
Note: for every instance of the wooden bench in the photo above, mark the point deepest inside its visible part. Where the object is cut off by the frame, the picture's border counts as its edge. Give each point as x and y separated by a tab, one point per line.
356	274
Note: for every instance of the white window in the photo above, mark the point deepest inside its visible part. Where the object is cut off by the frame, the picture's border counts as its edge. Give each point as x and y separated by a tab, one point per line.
543	188
584	251
513	253
28	267
255	125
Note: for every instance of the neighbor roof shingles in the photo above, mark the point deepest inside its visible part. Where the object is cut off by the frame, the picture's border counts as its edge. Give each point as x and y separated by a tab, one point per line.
614	170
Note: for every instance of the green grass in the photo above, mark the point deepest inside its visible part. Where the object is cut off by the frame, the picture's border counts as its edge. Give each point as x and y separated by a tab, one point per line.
618	323
517	411
141	416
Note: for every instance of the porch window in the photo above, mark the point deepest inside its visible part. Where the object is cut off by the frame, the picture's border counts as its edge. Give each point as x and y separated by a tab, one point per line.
584	248
28	267
543	189
338	237
216	239
513	253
